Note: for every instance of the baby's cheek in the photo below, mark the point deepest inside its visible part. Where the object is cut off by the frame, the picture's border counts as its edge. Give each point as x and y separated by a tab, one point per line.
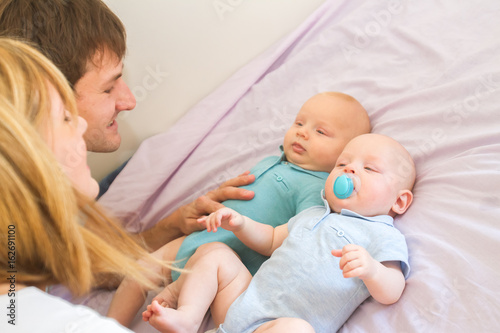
335	203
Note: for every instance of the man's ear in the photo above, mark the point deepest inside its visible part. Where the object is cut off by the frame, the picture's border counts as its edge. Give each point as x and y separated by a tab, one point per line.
403	202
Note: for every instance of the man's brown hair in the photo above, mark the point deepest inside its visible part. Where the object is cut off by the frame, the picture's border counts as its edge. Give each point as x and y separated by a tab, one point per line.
71	33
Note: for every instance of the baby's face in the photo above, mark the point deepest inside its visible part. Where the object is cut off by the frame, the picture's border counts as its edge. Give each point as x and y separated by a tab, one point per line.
320	131
383	170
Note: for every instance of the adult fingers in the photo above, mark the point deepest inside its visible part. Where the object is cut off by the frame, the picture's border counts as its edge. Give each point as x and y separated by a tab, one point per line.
230	189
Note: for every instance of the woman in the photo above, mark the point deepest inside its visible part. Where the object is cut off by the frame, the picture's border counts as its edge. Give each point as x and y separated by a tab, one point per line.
54	231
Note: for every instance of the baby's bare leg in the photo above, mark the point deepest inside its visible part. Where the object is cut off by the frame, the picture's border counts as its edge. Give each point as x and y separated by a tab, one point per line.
130	296
289	325
215	278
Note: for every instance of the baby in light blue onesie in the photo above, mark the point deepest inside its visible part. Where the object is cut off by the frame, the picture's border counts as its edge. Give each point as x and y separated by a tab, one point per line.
304	264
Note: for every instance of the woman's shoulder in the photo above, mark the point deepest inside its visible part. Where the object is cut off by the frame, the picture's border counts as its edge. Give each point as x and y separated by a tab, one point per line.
34	310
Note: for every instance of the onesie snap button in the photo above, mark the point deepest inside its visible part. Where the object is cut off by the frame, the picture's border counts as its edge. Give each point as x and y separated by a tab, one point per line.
340	233
279	178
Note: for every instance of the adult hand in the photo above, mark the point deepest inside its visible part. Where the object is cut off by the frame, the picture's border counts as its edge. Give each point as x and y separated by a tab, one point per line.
183	221
210	202
230	189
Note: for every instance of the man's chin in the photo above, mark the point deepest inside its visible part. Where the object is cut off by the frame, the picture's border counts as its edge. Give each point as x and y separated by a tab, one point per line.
103	146
105	150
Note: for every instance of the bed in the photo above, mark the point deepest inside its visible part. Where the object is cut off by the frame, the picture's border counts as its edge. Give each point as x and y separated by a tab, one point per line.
428	72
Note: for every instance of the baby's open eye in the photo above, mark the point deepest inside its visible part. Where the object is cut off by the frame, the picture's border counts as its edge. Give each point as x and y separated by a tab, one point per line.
320	132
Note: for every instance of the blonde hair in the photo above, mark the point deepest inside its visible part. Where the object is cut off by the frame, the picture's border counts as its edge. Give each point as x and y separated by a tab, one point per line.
69	33
61	236
25	78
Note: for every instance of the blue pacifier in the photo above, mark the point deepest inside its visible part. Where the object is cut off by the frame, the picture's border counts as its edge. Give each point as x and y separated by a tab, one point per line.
343	186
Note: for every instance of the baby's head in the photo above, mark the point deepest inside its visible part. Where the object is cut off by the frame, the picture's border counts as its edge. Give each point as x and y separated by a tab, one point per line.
384	174
324	125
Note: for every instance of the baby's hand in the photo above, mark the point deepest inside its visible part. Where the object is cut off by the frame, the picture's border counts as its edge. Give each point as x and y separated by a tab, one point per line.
355	261
225	218
210	222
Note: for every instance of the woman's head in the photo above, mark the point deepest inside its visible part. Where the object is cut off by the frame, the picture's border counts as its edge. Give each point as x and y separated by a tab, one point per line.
60	236
37	208
38	90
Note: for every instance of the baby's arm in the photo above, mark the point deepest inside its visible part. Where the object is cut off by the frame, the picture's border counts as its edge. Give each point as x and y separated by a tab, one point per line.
385	281
259	237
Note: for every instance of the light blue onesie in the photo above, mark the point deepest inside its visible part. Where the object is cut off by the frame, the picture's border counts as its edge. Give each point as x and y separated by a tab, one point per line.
282	190
302	279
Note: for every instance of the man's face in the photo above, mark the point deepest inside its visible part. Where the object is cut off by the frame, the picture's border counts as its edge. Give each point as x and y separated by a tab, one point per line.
101	94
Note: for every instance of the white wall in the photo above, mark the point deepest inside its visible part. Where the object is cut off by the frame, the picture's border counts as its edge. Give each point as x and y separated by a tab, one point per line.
181	50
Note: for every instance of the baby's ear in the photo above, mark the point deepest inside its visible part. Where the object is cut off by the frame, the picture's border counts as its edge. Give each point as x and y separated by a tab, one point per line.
403	202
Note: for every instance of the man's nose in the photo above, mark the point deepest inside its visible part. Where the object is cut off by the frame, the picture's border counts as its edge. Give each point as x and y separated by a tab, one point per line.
126	100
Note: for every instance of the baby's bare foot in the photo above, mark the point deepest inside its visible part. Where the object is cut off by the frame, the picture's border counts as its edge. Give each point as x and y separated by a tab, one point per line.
169	295
148	312
168	320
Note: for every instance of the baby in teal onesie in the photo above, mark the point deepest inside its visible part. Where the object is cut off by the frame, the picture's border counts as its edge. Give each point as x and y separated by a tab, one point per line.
284	185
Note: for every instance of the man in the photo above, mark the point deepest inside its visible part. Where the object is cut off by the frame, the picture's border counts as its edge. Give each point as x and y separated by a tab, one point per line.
87	41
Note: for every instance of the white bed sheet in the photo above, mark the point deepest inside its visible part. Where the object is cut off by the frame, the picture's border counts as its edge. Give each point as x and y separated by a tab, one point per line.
428	72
